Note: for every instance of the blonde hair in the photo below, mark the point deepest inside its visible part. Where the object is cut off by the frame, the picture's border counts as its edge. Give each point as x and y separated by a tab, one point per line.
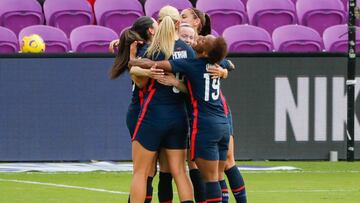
164	39
169	11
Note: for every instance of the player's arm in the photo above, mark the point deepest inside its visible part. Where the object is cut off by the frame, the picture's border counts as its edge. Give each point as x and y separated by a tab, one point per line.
170	80
147	64
113	45
139	81
216	71
141	72
141	76
221	70
180	85
227	64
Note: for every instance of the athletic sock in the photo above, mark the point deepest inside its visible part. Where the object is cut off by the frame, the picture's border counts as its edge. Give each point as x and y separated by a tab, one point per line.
149	190
165	190
224	191
237	184
199	186
213	192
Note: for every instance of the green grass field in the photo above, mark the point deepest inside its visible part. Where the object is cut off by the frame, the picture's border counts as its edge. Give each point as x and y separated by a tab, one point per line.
317	182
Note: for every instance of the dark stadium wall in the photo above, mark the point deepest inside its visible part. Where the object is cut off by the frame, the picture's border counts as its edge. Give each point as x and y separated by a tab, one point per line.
289	107
64	107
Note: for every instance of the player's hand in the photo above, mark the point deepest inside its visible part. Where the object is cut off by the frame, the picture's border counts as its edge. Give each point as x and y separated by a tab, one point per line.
133	48
168	80
215	71
155	72
232	66
113	45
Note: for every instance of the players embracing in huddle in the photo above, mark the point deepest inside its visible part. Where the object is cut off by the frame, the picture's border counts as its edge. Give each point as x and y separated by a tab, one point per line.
179	90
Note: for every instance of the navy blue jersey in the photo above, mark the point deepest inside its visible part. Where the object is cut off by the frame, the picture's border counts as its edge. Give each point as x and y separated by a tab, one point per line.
166	94
162	122
137	94
204	91
225	64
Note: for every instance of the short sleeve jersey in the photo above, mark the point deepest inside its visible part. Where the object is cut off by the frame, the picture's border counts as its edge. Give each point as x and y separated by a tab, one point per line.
204	91
166	94
225	64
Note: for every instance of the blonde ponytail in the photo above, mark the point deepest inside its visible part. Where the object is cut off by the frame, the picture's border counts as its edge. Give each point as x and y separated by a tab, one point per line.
164	39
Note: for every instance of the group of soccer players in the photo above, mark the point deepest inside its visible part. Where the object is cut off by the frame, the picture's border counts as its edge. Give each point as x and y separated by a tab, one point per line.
177	104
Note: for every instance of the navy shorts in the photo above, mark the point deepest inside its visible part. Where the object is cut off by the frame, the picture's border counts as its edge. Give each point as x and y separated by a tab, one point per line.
169	134
211	141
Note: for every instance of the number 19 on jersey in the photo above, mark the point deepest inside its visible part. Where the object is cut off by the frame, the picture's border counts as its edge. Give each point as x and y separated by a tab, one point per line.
215	85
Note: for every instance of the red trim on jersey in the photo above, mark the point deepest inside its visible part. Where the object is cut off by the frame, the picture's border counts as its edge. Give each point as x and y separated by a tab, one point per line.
148	197
152	83
239	189
141	97
144	109
195	121
214	200
223	100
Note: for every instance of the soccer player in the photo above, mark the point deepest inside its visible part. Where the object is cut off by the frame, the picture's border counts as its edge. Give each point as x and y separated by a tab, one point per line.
163	120
202	23
187	33
210	128
143	30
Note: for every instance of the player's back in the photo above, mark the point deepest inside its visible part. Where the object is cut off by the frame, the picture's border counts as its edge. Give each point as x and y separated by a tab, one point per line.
170	98
203	89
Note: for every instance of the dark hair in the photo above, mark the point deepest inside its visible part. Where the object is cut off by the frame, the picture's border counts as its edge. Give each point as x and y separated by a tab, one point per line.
206	28
141	26
205	21
122	58
138	32
218	51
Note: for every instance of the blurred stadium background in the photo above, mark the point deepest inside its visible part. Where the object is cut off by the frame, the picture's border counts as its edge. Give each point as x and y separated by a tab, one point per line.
287	95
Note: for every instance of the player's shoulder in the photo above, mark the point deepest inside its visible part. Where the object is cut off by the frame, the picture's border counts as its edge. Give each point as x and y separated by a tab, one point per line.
180	44
195	63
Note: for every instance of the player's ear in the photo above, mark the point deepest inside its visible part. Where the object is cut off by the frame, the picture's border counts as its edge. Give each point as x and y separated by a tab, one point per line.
151	31
177	24
197	22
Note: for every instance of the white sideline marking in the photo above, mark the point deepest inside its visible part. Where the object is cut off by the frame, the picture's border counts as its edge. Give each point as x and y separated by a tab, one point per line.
126	193
65	186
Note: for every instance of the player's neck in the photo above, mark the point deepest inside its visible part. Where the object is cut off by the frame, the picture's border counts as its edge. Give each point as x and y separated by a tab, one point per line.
202	55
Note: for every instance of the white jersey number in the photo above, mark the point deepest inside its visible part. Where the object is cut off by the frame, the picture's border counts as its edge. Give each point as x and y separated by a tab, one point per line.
215	85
